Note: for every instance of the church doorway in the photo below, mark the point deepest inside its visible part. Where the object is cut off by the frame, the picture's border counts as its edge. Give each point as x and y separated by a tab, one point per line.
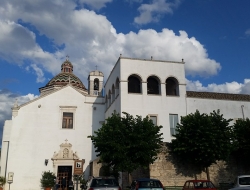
64	171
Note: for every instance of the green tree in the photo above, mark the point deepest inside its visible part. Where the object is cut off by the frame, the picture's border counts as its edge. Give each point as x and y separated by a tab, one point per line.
127	143
202	140
241	141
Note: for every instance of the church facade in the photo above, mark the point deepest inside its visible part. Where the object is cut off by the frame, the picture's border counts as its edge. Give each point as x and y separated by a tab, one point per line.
50	133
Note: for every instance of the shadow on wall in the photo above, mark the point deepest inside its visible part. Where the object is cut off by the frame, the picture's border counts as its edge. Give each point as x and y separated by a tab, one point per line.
220	172
181	169
228	171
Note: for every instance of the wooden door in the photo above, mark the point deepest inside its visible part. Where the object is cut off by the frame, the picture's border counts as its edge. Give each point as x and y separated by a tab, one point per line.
64	171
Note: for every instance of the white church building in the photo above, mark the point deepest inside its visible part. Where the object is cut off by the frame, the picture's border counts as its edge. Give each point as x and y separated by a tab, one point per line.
50	132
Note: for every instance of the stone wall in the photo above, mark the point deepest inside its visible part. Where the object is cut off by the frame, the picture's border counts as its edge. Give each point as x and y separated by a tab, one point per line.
95	168
171	174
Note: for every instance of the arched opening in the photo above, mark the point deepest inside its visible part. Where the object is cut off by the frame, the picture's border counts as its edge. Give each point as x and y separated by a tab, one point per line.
134	84
96	84
109	98
106	101
117	87
172	87
113	93
153	86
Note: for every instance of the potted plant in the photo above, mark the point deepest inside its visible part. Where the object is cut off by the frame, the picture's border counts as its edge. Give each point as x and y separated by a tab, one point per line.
48	180
2	182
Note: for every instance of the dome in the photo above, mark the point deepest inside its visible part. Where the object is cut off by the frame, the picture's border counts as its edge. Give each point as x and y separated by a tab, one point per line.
64	78
67	66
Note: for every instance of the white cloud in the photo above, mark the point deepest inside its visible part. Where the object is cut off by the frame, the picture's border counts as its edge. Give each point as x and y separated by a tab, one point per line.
18	44
89	39
39	73
96	4
154	11
247	32
166	45
133	1
232	87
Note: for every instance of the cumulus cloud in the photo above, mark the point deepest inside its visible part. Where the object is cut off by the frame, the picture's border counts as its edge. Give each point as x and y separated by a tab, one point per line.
18	44
166	45
232	87
90	39
96	4
154	11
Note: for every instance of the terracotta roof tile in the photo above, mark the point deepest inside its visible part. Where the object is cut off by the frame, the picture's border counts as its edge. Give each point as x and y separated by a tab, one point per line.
218	96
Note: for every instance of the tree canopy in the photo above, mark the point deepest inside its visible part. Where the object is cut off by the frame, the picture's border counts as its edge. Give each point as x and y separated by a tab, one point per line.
127	143
241	141
202	139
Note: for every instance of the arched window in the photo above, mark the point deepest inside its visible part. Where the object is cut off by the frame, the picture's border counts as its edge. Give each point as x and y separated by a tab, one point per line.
109	98
113	93
106	101
117	87
96	84
153	86
172	87
134	84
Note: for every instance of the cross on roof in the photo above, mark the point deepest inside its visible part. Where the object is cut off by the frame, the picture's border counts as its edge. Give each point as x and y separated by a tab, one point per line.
67	57
96	67
66	141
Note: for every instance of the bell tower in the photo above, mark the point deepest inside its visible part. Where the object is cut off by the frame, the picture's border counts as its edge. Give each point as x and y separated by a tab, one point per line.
95	83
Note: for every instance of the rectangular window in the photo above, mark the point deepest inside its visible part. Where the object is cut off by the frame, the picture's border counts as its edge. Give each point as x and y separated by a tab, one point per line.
153	118
67	122
173	120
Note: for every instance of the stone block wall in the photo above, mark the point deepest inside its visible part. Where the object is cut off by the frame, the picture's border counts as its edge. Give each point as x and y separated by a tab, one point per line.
171	175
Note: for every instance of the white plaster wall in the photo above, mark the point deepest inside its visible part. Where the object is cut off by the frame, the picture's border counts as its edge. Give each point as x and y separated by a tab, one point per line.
4	149
114	74
36	134
229	109
146	68
114	105
144	104
160	105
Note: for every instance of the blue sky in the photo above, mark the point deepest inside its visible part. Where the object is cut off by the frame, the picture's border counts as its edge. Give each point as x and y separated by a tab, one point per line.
212	36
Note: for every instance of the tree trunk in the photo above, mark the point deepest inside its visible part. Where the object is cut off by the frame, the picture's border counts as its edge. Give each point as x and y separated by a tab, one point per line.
129	178
207	172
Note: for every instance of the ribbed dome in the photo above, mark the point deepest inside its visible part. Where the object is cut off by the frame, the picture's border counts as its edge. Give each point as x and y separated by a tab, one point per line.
64	78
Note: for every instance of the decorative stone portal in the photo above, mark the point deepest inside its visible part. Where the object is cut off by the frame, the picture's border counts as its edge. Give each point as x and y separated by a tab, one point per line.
64	162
